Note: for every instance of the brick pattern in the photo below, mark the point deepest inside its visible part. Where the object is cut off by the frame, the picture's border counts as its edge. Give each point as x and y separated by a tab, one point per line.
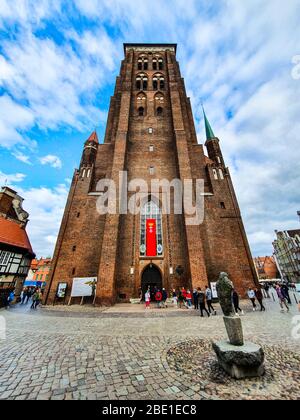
108	246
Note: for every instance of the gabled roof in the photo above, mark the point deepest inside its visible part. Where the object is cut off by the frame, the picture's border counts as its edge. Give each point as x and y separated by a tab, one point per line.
11	233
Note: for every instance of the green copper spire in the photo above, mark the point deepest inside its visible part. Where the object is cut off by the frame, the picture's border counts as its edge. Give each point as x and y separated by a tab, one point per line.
209	132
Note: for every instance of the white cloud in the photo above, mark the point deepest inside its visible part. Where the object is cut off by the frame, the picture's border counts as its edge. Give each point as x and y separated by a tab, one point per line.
45	207
7	179
51	160
22	158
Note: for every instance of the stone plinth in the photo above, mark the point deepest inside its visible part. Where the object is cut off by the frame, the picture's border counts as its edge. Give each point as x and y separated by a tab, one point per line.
234	330
240	362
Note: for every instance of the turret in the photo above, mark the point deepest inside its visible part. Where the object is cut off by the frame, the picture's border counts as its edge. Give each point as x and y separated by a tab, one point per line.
213	144
89	151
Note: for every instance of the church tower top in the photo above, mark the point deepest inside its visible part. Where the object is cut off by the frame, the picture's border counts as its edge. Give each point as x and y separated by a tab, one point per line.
150	47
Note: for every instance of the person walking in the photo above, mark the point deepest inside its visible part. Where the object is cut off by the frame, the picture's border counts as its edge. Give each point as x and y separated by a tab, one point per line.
236	302
164	298
28	295
23	296
282	300
158	298
195	299
259	297
285	292
189	299
174	298
251	296
34	298
201	301
147	299
267	288
10	299
208	295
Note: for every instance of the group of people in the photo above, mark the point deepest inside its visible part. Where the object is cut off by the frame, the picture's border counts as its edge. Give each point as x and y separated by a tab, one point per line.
282	292
183	298
35	294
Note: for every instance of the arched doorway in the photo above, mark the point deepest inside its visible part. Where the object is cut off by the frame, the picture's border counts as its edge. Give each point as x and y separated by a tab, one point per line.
152	278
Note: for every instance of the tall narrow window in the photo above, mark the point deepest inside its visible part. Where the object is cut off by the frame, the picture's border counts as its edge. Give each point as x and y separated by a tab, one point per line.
140	65
151	170
138	84
145	83
162	84
151	243
154	64
160	64
146	64
215	173
155	84
159	111
221	174
141	111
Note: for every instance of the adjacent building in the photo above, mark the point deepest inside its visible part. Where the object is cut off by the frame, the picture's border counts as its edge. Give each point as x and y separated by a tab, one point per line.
150	134
266	268
16	252
287	254
38	273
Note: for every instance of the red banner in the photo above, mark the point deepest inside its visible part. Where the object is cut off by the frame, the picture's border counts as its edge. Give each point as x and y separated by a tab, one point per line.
151	237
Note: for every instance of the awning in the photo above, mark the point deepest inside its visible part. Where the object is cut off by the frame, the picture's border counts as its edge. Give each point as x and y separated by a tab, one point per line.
30	283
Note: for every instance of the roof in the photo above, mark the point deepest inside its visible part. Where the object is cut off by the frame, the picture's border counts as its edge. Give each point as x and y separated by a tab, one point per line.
294	232
209	131
163	46
11	233
93	137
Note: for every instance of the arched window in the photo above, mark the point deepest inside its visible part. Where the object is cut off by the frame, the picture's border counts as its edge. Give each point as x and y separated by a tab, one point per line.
155	83
159	111
138	83
145	83
142	63
158	82
141	81
162	84
141	104
154	64
151	213
160	64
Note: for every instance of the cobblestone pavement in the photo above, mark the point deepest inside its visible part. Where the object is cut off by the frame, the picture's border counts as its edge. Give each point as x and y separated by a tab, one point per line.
87	353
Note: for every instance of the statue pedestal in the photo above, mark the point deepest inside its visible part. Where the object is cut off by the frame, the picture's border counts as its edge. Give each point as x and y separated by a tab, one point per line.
234	330
246	361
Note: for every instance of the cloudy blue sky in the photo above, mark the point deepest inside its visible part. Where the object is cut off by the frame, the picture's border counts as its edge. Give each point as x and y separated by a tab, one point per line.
58	63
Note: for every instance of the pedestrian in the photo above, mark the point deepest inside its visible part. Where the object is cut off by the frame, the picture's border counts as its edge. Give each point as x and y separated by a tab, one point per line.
251	296
10	299
201	301
189	299
147	299
282	300
174	298
164	298
208	295
27	295
267	288
158	298
236	302
23	295
285	292
195	299
34	298
180	299
259	297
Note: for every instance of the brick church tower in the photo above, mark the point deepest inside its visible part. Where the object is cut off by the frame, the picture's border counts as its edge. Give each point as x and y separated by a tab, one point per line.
150	134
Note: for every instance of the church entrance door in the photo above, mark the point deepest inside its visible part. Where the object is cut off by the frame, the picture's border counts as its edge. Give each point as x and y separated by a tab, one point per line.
152	278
